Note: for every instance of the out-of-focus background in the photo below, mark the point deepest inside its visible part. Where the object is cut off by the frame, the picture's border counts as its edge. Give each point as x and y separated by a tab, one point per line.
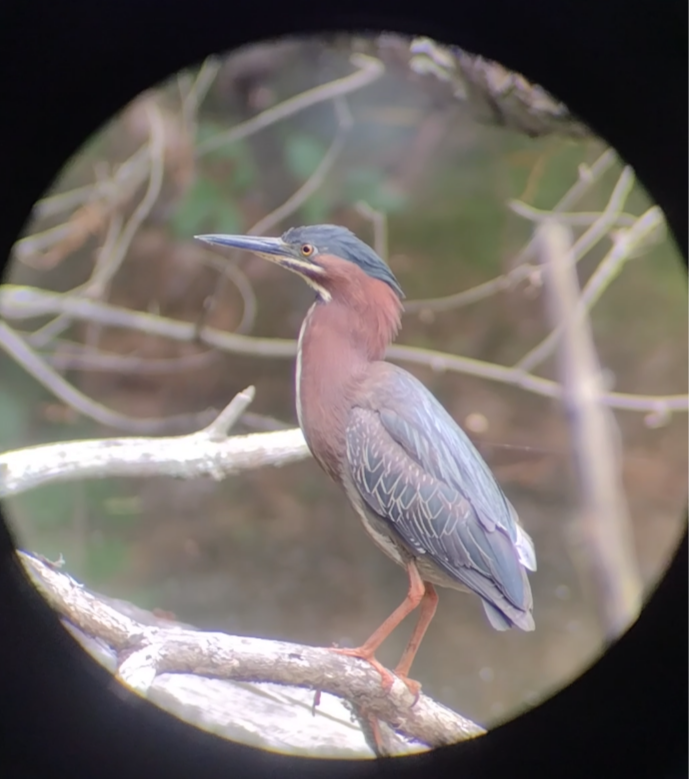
403	162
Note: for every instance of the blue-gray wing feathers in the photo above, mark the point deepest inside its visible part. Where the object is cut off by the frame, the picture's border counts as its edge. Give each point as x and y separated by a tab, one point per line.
417	469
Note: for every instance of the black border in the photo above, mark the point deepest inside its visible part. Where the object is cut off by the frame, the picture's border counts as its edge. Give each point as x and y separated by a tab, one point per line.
64	69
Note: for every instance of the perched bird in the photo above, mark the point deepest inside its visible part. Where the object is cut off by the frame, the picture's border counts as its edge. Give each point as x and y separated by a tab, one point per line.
422	491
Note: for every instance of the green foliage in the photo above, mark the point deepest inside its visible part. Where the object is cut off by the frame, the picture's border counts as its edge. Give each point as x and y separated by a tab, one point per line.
368	184
205	208
238	153
211	203
303	154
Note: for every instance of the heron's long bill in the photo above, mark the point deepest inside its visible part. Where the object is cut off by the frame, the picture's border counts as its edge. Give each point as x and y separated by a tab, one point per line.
270	248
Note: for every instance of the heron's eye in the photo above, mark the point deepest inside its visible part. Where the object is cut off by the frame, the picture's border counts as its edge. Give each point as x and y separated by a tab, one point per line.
307	250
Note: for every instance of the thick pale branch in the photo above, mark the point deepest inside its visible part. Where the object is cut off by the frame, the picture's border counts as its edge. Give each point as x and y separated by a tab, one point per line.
145	651
604	522
625	245
206	453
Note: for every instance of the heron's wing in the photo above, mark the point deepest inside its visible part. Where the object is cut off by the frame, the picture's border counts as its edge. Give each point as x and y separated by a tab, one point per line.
434	517
421	426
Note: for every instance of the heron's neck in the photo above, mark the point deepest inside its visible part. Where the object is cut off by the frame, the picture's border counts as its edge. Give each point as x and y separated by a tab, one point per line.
337	344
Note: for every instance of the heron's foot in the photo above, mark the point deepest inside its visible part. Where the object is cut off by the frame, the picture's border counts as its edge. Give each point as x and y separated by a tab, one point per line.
362	653
413	686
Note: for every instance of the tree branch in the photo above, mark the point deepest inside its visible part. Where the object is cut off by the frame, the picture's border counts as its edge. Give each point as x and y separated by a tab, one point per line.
146	652
604	519
15	346
521	268
369	70
18	302
206	453
626	243
494	94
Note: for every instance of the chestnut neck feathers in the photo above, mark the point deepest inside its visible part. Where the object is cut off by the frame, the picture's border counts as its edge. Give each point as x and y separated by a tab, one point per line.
339	341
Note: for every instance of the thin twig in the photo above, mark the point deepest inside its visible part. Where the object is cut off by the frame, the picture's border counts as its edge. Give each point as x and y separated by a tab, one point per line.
108	263
70	355
583	245
199	88
297	199
379	220
33	364
624	246
369	69
573	219
117	240
18	302
521	269
50	331
218	429
110	193
604	519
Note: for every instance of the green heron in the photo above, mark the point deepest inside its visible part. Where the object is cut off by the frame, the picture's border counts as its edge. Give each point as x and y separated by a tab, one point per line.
423	492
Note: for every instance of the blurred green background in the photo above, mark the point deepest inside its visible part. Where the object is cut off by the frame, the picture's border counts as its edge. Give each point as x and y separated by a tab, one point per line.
278	553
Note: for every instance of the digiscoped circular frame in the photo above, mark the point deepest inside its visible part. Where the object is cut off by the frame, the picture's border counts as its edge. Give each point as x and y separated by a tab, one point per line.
65	68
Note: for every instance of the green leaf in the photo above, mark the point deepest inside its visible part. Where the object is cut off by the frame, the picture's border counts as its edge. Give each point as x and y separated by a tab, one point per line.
303	154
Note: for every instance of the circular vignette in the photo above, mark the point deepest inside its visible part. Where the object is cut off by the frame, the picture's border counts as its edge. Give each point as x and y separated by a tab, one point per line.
616	65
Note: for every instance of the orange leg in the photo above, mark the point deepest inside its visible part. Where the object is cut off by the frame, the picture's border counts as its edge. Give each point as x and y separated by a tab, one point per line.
368	649
429	604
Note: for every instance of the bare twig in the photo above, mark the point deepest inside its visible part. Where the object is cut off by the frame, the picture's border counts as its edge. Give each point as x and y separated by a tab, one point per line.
108	262
218	429
33	364
521	269
573	219
145	652
69	355
598	230
604	520
128	176
379	220
132	173
369	69
17	303
624	246
110	193
117	240
199	88
316	179
473	295
296	199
